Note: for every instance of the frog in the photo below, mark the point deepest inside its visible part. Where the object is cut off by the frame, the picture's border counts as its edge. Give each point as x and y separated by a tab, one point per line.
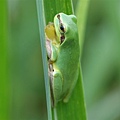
63	51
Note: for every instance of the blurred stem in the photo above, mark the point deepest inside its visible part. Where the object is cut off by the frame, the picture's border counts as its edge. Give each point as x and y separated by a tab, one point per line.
3	62
55	114
81	13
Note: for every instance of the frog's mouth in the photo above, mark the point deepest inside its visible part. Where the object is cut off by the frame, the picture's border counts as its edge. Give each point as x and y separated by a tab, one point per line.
61	30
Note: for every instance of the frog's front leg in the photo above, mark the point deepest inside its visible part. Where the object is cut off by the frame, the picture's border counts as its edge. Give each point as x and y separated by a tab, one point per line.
51	51
56	86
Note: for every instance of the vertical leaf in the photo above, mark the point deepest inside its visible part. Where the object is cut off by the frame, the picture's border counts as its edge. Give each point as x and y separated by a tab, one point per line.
44	58
75	108
81	13
3	62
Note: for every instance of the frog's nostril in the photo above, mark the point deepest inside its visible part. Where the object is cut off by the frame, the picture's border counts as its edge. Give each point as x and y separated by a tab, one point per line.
58	16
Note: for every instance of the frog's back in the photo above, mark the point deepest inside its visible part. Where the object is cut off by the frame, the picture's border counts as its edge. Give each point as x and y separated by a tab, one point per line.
68	63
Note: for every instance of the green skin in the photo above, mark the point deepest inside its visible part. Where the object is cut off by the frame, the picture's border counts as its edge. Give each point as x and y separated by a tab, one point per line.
64	58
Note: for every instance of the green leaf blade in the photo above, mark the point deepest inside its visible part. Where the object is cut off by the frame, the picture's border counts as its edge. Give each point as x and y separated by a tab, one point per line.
44	55
75	108
4	89
53	7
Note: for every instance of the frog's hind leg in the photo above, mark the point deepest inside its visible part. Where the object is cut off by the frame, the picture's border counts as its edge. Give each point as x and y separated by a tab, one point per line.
57	86
66	99
50	74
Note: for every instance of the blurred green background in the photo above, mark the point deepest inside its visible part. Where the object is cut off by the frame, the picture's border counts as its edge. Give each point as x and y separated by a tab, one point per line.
100	61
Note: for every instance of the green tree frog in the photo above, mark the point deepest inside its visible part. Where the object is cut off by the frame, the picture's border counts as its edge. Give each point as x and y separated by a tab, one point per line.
63	52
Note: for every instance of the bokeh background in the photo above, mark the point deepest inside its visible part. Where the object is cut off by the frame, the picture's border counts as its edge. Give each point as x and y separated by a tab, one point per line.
100	60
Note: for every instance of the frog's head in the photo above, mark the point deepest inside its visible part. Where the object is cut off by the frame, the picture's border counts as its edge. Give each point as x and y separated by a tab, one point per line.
65	26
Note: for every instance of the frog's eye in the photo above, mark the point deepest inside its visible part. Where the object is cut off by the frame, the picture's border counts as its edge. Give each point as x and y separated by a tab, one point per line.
62	28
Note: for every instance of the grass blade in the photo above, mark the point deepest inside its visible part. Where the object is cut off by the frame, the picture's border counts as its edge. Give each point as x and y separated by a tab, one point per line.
42	41
81	13
75	108
3	62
